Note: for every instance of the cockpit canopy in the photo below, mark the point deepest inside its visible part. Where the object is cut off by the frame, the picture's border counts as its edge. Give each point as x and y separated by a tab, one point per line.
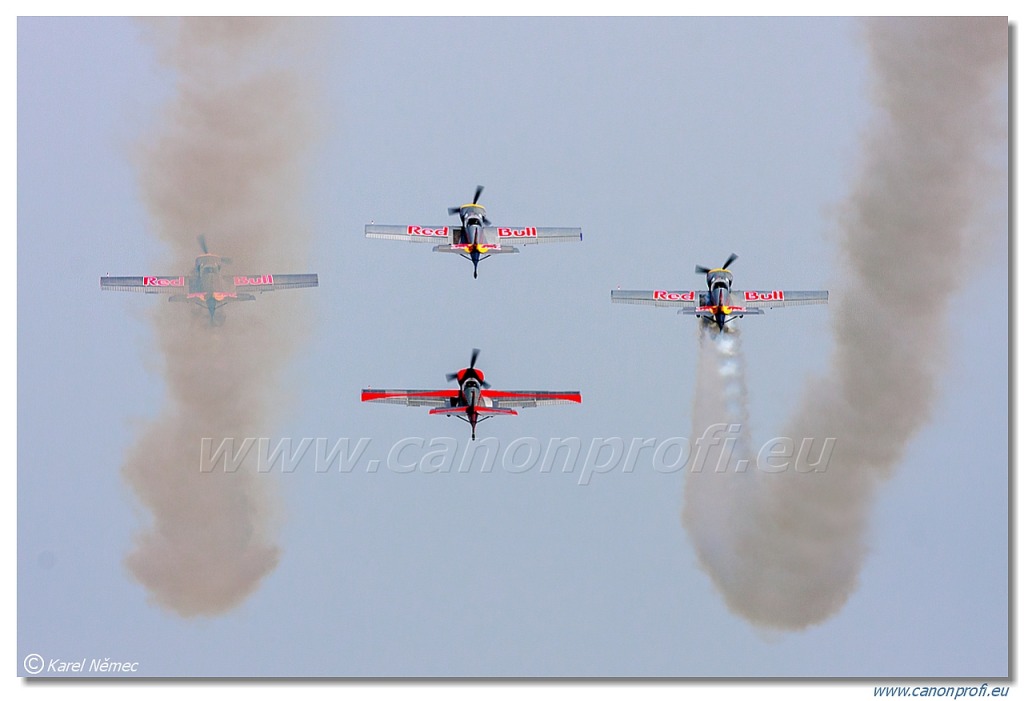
208	263
473	214
719	278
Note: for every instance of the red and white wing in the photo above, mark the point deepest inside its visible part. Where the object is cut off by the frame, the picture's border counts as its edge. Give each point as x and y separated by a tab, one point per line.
269	283
150	284
689	300
532	234
422	234
529	398
411	397
766	299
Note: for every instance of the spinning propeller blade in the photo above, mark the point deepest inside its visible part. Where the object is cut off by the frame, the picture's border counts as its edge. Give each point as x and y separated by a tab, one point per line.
472	368
728	261
476	198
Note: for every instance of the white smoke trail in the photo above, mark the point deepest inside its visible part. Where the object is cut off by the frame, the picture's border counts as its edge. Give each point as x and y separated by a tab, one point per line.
719	473
226	163
792	543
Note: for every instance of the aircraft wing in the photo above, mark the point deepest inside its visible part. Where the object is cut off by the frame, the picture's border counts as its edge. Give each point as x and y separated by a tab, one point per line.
150	284
423	234
766	299
269	283
411	397
660	298
531	234
527	398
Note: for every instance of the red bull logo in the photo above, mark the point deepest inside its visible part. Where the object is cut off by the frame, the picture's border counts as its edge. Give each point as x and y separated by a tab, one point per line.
666	296
261	280
755	296
426	231
163	281
479	247
526	232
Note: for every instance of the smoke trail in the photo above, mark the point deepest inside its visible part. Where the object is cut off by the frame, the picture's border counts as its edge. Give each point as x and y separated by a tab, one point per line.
719	469
227	163
793	545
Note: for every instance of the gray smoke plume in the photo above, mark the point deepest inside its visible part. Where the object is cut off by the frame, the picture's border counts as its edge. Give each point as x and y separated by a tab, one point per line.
226	162
790	544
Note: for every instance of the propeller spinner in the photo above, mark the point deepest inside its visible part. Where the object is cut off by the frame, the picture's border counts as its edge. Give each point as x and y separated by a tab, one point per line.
470	370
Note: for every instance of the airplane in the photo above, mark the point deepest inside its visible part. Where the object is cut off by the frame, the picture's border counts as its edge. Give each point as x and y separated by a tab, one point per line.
476	239
720	304
474	401
206	285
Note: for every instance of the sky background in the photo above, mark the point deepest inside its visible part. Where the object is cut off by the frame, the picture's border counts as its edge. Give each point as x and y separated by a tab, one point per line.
671	142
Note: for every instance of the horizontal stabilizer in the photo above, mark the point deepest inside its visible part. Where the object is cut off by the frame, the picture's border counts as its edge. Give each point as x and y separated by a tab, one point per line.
708	312
488	251
448	411
496	410
462	410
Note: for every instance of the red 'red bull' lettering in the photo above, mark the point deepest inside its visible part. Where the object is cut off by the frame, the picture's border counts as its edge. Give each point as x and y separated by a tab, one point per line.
149	281
261	280
525	232
426	231
755	296
666	296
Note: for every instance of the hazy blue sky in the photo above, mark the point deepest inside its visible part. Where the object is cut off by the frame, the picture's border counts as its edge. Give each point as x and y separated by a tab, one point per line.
671	142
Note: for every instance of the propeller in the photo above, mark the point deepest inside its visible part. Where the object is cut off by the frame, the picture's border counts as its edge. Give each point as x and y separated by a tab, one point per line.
476	198
472	366
704	271
206	249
